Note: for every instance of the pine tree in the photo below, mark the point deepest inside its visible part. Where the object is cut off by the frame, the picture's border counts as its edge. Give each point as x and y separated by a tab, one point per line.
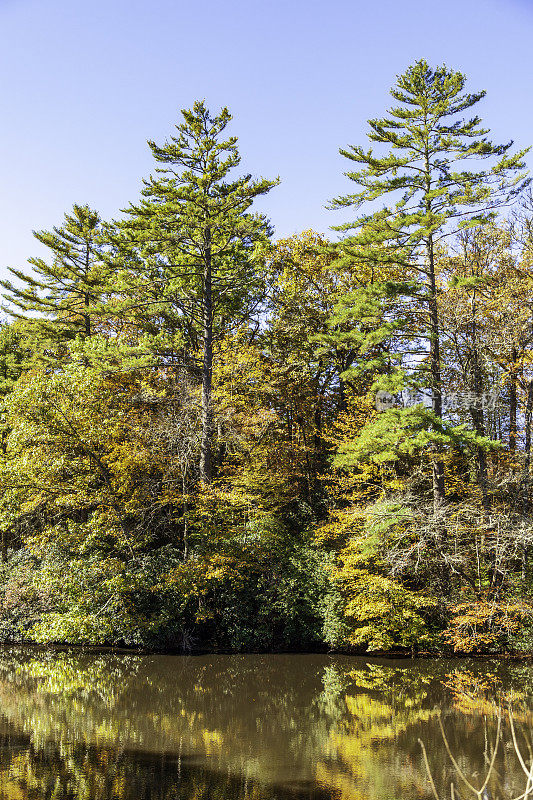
424	174
60	294
13	356
192	249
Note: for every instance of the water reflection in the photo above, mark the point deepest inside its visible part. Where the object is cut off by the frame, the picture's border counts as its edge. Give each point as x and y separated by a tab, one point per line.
264	727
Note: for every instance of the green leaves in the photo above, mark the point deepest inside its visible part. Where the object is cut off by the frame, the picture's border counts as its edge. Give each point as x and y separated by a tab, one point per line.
424	139
60	294
193	216
429	167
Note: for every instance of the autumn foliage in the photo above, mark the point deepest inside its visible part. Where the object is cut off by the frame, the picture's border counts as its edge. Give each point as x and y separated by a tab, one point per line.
328	446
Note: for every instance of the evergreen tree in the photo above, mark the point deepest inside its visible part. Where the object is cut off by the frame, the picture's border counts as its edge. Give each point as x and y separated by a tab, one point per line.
424	174
13	356
61	293
192	250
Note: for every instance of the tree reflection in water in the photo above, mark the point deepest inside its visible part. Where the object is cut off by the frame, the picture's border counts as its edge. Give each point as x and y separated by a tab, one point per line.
264	727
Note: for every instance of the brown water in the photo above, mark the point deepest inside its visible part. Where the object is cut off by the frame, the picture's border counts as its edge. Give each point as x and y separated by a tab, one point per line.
250	726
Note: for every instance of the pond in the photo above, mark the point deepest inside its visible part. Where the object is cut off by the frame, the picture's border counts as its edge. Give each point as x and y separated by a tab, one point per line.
79	725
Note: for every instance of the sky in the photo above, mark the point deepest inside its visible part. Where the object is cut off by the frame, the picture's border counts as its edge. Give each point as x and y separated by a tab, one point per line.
85	84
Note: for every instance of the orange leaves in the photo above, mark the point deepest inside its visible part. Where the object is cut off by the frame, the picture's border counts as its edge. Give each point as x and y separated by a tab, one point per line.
486	625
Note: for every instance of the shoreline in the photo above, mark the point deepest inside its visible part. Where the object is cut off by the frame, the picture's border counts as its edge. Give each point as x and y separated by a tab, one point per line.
387	655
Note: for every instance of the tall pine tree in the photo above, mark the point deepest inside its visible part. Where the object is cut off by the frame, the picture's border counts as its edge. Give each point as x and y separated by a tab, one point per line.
58	296
192	249
432	178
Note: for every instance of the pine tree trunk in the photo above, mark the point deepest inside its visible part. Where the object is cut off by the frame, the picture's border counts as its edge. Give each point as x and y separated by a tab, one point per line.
207	374
86	296
439	493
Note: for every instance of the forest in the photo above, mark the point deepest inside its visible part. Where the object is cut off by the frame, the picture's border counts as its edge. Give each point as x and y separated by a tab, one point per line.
213	439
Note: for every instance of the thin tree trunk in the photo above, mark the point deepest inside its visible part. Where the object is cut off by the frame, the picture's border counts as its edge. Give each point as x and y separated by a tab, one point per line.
526	474
513	402
207	375
481	456
86	296
439	492
527	451
185	517
477	414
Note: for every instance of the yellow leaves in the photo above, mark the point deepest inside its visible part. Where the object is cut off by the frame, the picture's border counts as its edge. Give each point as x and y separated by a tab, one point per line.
340	524
129	462
81	449
265	423
379	611
222	568
301	258
485	624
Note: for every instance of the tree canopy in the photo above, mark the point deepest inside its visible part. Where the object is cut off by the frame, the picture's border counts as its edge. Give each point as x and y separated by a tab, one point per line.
211	438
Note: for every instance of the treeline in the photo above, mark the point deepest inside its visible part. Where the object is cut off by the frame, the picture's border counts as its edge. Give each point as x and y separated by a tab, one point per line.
211	439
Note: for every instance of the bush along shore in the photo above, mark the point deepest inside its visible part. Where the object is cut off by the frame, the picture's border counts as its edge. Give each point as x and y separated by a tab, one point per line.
212	439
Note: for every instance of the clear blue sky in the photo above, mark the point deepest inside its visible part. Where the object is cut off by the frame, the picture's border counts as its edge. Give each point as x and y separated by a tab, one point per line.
84	84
